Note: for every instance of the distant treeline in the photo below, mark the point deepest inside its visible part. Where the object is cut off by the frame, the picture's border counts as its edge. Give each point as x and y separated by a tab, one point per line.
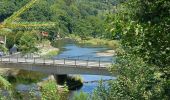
82	17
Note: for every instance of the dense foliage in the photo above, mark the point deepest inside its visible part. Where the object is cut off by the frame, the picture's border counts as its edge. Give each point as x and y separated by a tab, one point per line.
143	63
143	26
85	18
82	17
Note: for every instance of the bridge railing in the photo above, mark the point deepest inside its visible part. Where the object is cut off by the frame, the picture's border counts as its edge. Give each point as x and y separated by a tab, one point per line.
88	57
82	57
73	61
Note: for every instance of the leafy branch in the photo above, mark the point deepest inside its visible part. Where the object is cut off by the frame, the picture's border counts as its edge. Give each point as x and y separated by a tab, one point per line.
11	21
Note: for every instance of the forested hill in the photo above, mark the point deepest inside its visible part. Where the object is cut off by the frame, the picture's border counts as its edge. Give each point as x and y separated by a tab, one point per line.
82	17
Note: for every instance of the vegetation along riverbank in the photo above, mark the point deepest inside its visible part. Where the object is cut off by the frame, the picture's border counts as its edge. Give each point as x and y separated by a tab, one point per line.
47	50
138	31
113	44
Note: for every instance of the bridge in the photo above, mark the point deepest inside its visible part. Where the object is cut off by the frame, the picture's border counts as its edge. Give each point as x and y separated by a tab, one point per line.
58	65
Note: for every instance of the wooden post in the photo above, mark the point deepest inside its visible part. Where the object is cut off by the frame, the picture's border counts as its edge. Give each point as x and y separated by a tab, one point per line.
44	60
34	60
25	59
99	62
9	59
53	61
75	62
64	61
17	58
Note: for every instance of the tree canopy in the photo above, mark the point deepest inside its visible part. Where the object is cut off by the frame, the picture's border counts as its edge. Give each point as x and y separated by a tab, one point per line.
143	62
81	17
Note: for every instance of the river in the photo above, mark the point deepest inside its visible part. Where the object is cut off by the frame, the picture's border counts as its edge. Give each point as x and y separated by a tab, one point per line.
70	49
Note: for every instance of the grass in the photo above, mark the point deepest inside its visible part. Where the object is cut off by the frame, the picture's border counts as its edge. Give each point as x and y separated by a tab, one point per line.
25	77
102	42
4	84
81	96
46	50
51	53
50	92
96	41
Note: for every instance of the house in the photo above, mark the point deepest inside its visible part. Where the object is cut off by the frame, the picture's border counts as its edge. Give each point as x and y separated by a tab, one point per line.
14	49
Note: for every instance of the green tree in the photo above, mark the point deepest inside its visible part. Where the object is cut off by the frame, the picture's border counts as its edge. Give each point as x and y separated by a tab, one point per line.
6	24
10	23
27	43
144	59
4	84
8	7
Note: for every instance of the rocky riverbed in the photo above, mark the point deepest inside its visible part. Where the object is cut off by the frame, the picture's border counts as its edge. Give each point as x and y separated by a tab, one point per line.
106	53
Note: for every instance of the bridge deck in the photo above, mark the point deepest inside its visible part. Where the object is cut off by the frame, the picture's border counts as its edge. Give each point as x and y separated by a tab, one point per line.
68	62
57	65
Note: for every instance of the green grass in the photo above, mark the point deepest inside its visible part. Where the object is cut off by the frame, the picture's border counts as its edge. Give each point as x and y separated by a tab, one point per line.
96	41
25	77
4	84
102	42
81	96
50	92
51	53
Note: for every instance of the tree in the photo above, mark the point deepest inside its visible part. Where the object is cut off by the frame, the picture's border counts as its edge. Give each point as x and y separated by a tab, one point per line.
144	59
27	43
11	23
4	83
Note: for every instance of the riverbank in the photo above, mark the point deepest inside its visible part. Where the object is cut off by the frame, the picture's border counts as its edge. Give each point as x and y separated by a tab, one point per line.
113	44
3	70
7	71
106	53
46	50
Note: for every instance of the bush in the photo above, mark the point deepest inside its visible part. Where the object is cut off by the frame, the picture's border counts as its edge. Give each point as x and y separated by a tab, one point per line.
49	91
81	96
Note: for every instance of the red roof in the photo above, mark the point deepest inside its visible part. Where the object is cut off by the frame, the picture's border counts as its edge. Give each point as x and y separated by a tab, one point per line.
45	33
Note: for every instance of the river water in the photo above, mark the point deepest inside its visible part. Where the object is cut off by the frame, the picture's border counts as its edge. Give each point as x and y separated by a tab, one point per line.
72	49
